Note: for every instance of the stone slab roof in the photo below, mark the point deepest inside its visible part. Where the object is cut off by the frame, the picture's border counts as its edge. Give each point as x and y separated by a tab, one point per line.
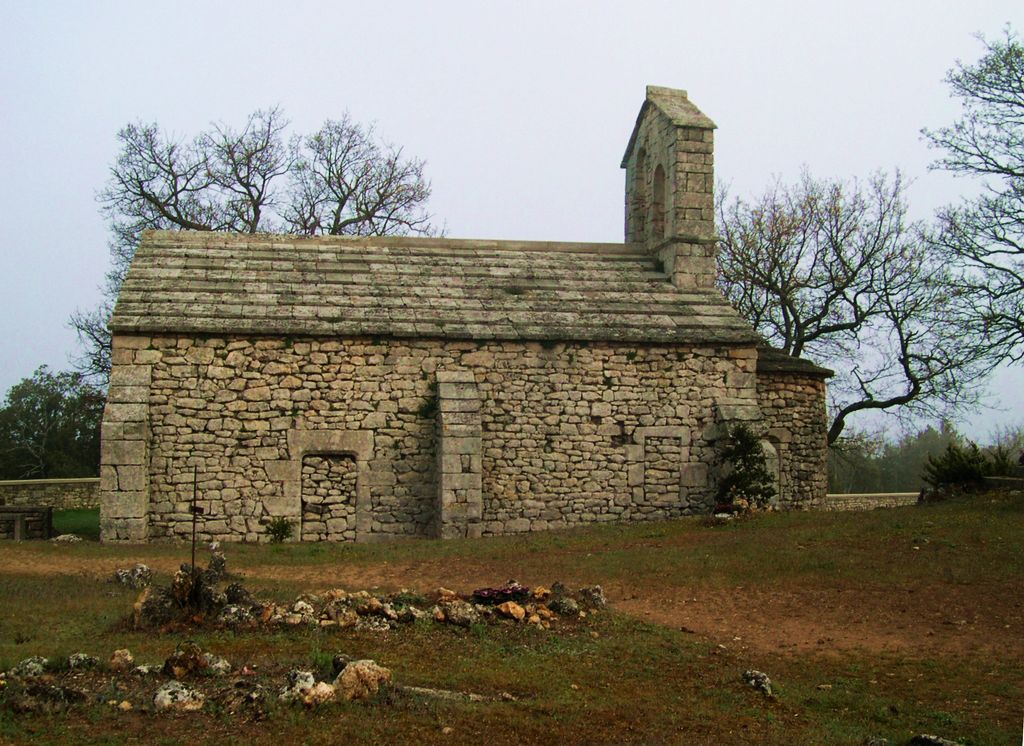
229	284
772	360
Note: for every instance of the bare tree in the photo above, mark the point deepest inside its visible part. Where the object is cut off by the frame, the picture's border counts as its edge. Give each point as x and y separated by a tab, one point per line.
345	183
245	166
985	235
833	271
338	181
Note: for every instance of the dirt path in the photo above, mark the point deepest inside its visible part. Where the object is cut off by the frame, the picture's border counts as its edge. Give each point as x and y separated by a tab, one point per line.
936	619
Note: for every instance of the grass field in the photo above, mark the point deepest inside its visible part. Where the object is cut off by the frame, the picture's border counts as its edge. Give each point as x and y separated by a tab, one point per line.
881	624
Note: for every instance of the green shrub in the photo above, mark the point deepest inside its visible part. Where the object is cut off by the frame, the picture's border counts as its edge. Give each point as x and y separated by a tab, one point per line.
279	529
748	484
965	467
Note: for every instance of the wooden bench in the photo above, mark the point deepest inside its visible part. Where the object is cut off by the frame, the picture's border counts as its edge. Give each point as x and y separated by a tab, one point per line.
23	522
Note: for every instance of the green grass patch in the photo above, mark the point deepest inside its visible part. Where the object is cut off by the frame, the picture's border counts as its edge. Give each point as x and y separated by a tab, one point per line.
84	522
608	679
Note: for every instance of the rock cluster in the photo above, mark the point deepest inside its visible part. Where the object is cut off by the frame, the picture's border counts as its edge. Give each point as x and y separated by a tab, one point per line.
357	680
136	577
196	598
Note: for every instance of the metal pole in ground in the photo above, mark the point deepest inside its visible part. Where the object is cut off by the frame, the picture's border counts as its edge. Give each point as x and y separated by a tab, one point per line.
195	513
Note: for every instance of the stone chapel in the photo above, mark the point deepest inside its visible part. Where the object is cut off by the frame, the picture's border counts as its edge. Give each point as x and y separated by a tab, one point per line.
373	388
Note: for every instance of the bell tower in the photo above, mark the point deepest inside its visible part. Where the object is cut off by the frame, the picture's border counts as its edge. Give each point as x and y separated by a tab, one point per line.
670	182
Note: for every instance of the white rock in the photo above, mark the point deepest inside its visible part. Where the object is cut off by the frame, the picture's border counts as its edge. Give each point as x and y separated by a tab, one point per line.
299	683
177	697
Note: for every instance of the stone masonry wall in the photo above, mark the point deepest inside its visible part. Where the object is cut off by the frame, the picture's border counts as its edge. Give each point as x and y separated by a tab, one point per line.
793	407
837	502
569	431
59	494
328	498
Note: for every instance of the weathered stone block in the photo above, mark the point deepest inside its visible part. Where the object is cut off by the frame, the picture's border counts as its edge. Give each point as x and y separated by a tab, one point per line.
118	412
117	452
128	394
455	376
132	478
130	375
694	475
457	391
124	504
462	445
462	481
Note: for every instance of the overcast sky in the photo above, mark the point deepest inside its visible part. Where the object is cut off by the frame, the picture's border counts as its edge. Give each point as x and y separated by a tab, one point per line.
521	110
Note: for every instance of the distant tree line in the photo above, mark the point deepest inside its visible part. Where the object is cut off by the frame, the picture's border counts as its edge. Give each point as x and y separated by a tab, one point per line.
865	463
50	427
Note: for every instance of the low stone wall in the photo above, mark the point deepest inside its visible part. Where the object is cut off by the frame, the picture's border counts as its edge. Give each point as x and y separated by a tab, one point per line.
59	494
18	524
865	501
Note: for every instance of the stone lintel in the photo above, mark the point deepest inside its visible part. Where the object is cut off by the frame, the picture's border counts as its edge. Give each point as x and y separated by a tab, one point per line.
447	391
455	376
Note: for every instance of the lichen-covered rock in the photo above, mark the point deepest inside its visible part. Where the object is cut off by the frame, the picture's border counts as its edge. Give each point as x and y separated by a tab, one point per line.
177	697
410	614
304	610
459	613
66	539
592	596
444	594
234	615
134	577
565	606
926	739
30	667
215	665
372	624
540	593
298	683
79	661
187	660
758	680
372	605
35	695
318	694
361	680
122	660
